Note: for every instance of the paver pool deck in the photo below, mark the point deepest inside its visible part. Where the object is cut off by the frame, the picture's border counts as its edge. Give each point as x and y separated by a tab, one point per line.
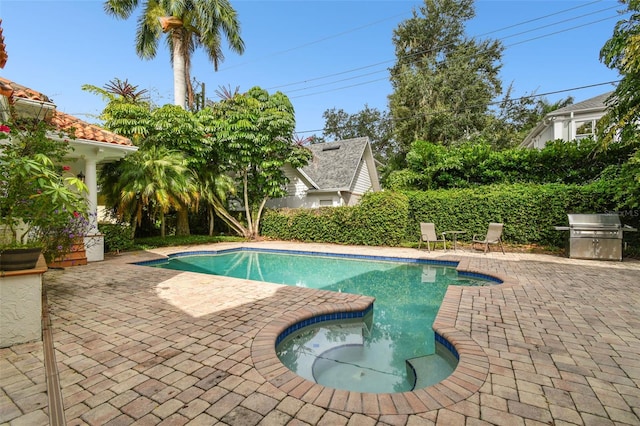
558	343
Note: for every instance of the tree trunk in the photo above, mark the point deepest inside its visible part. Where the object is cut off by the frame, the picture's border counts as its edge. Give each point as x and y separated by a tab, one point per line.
247	207
182	227
256	222
212	218
227	218
179	67
163	227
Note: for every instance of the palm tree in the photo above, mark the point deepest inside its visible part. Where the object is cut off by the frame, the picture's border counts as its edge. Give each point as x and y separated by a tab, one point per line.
189	24
154	178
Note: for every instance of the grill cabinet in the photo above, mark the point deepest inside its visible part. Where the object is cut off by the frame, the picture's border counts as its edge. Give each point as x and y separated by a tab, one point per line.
595	236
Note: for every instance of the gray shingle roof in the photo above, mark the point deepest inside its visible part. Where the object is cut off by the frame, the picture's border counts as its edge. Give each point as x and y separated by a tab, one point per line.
592	103
334	164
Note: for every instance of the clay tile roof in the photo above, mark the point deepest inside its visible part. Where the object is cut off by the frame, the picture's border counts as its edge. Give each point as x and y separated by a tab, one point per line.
20	91
84	130
61	120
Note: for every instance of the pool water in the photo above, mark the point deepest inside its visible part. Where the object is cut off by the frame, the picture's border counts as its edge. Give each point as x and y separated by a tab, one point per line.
367	355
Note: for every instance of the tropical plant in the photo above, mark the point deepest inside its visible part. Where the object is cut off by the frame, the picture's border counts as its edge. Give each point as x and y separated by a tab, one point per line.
179	130
154	179
189	24
42	203
252	134
622	52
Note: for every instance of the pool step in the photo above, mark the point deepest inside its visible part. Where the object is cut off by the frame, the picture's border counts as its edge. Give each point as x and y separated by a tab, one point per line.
431	369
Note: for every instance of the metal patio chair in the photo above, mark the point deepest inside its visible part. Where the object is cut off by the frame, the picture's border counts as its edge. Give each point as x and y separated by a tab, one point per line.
494	236
428	235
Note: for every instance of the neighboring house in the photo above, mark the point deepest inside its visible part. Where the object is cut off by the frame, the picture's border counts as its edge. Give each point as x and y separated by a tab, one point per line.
93	145
574	121
338	175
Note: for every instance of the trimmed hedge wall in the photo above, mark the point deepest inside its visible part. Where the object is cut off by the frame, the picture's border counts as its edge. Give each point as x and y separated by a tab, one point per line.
529	213
378	220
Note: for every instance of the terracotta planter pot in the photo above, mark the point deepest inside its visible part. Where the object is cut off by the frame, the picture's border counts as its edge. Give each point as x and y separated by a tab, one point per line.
19	259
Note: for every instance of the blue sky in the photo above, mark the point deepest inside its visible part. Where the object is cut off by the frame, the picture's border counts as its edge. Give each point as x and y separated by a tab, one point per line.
322	54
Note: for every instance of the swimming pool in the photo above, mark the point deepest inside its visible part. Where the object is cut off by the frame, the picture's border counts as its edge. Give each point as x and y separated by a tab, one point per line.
391	349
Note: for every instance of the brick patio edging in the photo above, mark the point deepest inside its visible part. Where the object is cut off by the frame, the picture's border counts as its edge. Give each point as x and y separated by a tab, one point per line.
468	377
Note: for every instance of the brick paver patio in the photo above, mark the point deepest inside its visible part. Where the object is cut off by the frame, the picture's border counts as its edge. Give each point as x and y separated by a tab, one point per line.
558	343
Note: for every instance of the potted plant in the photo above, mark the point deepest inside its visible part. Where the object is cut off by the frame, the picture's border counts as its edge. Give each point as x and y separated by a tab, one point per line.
39	199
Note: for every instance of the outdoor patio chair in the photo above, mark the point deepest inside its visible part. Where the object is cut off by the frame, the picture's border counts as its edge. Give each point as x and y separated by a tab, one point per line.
428	235
494	236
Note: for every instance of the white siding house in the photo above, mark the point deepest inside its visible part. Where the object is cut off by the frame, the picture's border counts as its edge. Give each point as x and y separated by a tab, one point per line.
572	122
339	174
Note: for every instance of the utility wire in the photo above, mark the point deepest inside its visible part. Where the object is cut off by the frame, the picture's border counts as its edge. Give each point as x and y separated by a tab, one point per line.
422	52
494	103
385	78
315	41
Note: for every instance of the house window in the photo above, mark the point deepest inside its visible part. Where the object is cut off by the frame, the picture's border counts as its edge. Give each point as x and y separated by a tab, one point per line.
324	203
585	129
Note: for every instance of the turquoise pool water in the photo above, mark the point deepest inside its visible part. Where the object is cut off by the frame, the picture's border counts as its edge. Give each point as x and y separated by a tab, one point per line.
369	355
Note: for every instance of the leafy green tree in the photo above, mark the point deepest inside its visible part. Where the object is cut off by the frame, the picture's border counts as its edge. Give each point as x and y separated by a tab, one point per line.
369	122
620	123
128	110
170	126
189	24
622	52
443	82
179	130
253	133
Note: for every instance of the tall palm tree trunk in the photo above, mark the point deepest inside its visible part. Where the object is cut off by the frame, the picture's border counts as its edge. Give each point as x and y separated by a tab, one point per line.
180	98
182	225
179	66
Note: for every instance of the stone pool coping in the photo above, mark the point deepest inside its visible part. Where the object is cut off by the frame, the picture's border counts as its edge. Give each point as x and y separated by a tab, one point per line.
148	346
467	378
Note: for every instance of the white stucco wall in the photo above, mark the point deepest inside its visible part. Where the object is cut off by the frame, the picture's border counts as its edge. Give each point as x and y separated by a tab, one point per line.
94	247
20	309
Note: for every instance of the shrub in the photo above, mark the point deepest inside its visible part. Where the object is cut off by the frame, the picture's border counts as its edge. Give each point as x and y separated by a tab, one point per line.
529	213
117	236
379	219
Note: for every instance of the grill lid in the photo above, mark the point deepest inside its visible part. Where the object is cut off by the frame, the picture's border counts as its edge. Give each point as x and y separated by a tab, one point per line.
598	221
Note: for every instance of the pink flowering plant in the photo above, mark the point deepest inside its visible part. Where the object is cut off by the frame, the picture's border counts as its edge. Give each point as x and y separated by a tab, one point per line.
42	204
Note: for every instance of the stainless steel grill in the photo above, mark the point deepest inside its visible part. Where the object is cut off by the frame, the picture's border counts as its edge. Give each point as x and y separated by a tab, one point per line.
595	236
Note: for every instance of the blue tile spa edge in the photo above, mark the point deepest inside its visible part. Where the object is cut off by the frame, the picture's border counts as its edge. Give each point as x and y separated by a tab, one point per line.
322	318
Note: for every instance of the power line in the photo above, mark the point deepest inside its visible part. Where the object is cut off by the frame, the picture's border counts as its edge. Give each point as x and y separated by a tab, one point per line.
385	78
316	41
385	70
532	96
442	46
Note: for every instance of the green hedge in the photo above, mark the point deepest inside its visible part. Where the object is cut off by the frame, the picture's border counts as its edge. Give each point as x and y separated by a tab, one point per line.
117	236
378	220
432	166
529	212
389	218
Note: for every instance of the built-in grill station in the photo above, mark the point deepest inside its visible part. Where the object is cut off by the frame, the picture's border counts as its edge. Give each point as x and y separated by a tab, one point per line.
595	236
